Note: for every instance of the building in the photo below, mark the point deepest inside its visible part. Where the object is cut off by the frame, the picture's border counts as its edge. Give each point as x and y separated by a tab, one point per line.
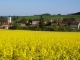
35	23
54	22
5	23
2	23
74	25
23	23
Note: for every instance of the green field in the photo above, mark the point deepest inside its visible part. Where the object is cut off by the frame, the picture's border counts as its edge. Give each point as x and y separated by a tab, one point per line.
53	17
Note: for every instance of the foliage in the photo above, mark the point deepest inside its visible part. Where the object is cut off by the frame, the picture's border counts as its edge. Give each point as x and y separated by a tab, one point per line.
46	14
30	21
61	27
3	18
58	14
68	19
41	22
67	28
23	19
78	13
48	23
15	18
55	27
14	26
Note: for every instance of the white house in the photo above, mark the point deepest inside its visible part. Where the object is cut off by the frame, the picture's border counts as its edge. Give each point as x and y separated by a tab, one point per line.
75	25
35	23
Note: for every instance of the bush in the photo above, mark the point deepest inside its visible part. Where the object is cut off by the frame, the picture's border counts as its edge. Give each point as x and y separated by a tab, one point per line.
38	29
14	26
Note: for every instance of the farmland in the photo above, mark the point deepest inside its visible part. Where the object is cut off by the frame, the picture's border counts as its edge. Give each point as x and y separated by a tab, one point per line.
50	17
39	45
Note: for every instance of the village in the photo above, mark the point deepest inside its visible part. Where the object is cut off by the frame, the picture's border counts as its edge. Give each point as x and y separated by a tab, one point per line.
73	24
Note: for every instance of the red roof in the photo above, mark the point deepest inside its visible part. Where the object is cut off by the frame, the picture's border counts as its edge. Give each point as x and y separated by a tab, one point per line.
57	21
3	22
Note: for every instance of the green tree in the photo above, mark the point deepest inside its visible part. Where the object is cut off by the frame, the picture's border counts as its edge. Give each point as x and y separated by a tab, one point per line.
58	14
15	18
41	22
47	14
55	27
61	27
67	28
48	23
23	19
15	26
29	21
3	18
73	19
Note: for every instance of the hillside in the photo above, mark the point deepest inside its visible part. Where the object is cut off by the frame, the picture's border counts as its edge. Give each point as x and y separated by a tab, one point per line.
78	13
51	17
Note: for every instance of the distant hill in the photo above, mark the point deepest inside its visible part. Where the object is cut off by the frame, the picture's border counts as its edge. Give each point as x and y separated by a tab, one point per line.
78	13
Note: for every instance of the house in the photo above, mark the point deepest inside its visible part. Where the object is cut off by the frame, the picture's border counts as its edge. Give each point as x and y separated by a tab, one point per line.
74	25
45	22
35	23
2	22
23	23
56	22
64	23
20	23
5	23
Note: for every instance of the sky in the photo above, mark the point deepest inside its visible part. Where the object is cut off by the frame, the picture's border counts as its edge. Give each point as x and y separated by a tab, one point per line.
34	7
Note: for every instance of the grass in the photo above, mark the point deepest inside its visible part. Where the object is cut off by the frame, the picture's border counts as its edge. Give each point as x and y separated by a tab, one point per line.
51	17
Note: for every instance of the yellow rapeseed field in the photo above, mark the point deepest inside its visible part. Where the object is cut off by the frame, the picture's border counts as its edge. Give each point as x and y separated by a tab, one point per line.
39	45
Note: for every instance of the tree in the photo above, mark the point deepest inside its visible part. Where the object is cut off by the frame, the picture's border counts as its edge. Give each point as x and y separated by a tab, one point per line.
73	19
23	19
58	14
46	14
78	13
3	18
61	28
14	26
15	18
29	21
48	23
65	19
41	22
67	28
55	27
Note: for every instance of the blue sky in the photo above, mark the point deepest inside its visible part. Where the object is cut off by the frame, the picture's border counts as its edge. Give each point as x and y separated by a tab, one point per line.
32	7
